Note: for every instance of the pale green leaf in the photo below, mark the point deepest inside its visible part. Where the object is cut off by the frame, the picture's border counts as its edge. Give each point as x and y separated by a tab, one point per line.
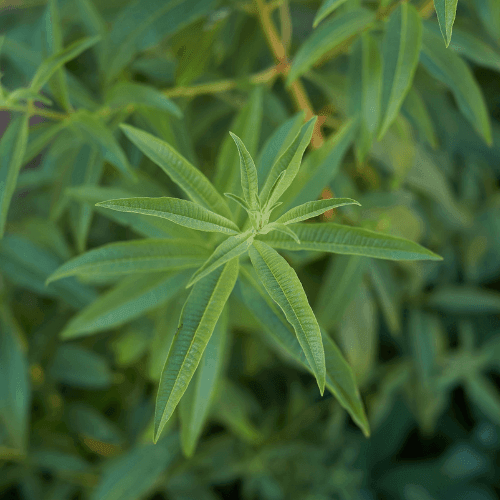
198	398
135	474
15	390
98	133
246	125
313	209
141	256
124	94
401	49
328	36
284	287
182	212
287	166
446	11
188	177
197	322
339	376
450	69
56	61
241	202
232	247
249	179
12	150
278	226
327	7
128	300
277	143
336	238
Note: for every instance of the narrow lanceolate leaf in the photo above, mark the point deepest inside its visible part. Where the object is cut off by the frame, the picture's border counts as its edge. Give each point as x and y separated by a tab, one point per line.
336	238
415	109
126	93
281	228
131	298
249	179
446	11
233	247
53	63
286	166
195	404
339	376
15	391
401	48
312	209
182	212
12	149
197	322
141	256
188	177
328	36
284	287
327	7
450	69
99	134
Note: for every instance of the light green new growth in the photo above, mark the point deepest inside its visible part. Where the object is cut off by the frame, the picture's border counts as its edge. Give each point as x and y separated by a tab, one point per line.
213	282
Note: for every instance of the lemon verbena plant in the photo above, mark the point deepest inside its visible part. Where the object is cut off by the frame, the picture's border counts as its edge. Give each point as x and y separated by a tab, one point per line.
242	257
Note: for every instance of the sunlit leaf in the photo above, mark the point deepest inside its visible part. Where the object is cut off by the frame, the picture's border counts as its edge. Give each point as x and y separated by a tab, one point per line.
189	178
336	238
198	319
283	285
327	7
313	209
182	212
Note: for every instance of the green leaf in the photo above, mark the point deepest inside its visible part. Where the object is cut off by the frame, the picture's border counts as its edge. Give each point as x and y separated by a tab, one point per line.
229	249
464	300
277	143
328	36
246	125
340	379
320	166
197	322
58	84
327	7
446	11
278	226
249	178
189	178
287	166
39	137
340	284
141	256
15	390
450	69
182	212
131	298
79	367
284	287
56	61
197	400
400	52
335	238
313	209
98	133
12	149
416	110
136	28
123	94
485	395
135	474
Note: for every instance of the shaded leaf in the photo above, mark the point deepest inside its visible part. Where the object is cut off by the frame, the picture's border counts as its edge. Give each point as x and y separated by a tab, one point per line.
446	11
327	7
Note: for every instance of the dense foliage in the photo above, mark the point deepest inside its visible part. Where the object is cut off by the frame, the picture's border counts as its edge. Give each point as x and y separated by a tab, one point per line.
250	249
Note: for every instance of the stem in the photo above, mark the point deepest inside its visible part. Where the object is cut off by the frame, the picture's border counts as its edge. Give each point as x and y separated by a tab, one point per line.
34	111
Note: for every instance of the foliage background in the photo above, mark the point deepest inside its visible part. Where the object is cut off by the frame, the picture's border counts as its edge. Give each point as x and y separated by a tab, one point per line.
422	337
